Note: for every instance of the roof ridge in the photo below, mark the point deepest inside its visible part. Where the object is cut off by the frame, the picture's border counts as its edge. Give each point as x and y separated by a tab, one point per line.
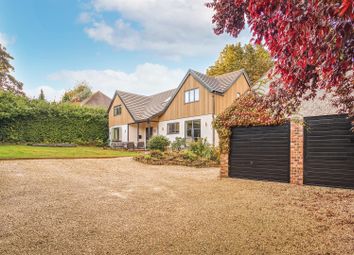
134	94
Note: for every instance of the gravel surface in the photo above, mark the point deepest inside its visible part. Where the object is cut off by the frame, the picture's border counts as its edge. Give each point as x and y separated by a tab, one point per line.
119	206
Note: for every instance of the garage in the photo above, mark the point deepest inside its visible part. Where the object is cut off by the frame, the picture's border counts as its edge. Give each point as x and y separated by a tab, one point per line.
261	153
329	151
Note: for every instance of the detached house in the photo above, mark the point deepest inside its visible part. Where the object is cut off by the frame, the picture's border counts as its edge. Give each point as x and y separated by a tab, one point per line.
187	111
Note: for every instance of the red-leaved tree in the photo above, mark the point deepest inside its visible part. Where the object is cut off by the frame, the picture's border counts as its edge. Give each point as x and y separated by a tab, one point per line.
311	41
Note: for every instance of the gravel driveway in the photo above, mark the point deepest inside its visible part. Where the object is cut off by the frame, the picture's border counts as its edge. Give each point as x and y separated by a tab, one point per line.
119	206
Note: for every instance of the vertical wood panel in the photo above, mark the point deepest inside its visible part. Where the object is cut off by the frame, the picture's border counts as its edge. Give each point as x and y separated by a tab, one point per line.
222	102
178	109
122	119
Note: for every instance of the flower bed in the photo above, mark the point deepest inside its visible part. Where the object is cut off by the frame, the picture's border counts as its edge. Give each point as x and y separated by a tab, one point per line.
182	158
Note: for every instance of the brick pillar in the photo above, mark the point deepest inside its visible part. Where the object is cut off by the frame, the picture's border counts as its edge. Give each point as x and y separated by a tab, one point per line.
296	153
224	165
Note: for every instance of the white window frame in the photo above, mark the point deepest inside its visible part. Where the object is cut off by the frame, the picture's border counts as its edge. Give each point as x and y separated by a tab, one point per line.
191	96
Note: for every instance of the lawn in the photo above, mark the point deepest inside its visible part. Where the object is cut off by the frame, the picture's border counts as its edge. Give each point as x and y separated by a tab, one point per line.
27	152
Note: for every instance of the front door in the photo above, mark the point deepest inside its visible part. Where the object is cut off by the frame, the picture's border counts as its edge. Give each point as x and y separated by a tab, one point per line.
148	133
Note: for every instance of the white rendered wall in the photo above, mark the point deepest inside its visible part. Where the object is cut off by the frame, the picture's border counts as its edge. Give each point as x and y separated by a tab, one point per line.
124	132
206	128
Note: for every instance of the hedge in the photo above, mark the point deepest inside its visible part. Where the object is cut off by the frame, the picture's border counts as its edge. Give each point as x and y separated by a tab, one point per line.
24	120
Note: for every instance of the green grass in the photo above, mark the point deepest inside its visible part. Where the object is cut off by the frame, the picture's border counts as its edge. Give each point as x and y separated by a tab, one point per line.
24	152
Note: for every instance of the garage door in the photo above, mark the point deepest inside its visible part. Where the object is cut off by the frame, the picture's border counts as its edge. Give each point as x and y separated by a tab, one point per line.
261	153
329	151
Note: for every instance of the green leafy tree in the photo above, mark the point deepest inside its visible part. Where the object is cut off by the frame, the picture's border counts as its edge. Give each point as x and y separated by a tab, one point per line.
79	93
41	95
7	81
253	58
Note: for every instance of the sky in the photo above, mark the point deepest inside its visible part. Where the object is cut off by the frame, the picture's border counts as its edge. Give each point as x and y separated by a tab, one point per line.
139	46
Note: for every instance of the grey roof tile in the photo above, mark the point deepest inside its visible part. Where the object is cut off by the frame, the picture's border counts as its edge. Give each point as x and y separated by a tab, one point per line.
145	107
218	83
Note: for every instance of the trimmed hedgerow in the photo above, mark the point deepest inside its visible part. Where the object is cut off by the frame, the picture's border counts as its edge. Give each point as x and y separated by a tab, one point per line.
24	120
249	110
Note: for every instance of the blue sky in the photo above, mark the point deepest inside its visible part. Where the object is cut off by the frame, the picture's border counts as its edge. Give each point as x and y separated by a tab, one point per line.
141	46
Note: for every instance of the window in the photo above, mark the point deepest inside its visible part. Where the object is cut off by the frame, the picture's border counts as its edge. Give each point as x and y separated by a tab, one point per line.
193	129
191	96
117	110
173	128
117	134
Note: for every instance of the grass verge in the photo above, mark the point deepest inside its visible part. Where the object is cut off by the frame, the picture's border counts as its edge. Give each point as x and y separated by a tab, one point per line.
28	152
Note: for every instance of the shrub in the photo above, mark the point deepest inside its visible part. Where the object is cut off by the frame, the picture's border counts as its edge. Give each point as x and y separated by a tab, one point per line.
156	154
147	156
203	149
200	147
158	142
178	144
189	155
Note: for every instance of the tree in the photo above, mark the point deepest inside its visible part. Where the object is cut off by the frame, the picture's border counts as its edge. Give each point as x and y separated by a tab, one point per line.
79	93
253	58
311	41
41	95
7	81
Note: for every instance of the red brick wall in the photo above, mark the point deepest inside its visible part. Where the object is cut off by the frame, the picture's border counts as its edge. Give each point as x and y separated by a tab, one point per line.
224	165
296	153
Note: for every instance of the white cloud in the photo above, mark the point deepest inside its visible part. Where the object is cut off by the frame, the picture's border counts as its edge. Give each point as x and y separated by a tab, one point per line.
50	93
169	27
85	17
5	40
146	79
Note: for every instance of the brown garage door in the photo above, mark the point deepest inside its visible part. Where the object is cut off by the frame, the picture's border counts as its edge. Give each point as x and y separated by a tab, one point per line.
261	153
329	151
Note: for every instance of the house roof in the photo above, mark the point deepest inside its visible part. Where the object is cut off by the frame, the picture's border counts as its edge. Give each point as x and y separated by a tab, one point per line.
142	107
219	83
97	99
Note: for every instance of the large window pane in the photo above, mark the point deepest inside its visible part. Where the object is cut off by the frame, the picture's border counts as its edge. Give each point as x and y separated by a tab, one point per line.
191	95
193	129
196	133
196	95
186	97
196	123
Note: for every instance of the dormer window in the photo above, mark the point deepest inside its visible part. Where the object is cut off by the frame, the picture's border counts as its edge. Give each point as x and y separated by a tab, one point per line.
191	96
117	110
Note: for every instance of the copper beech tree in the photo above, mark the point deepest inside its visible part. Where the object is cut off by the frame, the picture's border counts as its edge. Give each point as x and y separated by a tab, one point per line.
311	42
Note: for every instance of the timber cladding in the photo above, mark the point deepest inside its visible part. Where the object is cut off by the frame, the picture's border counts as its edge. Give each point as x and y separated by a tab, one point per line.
179	109
122	119
222	102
